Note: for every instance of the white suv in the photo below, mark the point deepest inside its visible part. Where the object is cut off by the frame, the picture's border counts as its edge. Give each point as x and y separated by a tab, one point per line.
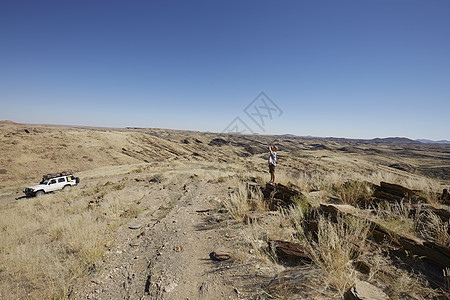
51	183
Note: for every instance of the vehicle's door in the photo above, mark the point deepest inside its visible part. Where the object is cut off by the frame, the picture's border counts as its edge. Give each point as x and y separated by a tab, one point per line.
61	183
52	185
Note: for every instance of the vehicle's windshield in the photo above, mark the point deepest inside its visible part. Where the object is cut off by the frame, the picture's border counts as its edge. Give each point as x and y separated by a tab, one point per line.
44	181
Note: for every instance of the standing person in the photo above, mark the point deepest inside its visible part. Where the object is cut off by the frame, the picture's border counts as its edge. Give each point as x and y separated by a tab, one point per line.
272	162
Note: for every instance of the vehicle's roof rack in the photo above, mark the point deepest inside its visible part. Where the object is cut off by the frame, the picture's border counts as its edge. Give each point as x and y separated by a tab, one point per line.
53	175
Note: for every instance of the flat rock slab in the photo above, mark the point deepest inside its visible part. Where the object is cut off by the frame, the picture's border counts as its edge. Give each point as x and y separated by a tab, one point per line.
395	192
363	290
290	252
221	254
135	244
135	226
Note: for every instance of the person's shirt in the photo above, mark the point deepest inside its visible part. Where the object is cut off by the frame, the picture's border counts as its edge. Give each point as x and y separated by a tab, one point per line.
273	158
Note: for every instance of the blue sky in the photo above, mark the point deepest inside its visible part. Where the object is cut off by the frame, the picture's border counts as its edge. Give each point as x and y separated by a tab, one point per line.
359	69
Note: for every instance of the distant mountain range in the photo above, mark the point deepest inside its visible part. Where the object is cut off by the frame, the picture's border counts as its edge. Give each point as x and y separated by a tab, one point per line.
389	140
397	140
403	140
435	142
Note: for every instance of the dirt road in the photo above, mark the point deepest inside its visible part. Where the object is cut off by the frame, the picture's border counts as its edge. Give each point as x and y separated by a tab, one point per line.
165	254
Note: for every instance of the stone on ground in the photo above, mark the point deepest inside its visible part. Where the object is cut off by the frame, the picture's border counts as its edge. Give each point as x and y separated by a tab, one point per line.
363	290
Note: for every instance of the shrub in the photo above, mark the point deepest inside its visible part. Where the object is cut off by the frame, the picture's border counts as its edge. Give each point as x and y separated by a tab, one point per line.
157	178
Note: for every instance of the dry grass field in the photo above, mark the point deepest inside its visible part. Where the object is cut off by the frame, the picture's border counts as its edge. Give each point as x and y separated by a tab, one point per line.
153	204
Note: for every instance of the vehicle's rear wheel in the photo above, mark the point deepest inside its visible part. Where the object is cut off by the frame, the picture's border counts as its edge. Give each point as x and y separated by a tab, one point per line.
66	186
39	193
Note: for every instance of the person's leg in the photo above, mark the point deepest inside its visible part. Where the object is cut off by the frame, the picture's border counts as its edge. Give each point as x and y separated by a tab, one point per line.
272	173
271	170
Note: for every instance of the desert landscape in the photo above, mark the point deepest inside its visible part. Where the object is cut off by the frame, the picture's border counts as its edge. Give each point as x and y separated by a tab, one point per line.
181	150
166	214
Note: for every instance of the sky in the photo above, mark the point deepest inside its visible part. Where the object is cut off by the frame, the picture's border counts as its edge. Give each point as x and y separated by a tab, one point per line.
354	69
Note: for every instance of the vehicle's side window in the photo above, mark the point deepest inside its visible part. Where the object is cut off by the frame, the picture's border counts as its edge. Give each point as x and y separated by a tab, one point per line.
62	180
53	181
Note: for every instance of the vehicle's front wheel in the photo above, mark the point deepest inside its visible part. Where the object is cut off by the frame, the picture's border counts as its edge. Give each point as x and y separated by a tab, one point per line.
39	193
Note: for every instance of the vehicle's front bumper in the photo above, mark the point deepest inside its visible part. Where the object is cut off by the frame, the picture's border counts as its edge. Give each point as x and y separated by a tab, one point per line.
29	192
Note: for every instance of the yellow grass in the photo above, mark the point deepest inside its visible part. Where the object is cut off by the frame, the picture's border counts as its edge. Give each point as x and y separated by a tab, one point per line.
396	218
237	203
46	242
244	199
334	249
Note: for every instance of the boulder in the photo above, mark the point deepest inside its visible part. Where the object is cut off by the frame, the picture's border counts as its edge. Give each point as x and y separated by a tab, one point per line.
363	290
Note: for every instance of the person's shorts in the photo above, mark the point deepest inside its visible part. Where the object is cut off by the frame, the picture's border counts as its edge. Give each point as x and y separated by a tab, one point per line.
271	168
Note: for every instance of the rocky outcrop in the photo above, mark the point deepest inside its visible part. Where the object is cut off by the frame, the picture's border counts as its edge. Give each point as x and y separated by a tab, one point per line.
280	195
395	192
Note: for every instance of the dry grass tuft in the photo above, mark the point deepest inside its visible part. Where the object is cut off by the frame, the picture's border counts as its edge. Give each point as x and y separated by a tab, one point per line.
243	199
335	249
427	187
255	236
398	218
432	227
353	192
